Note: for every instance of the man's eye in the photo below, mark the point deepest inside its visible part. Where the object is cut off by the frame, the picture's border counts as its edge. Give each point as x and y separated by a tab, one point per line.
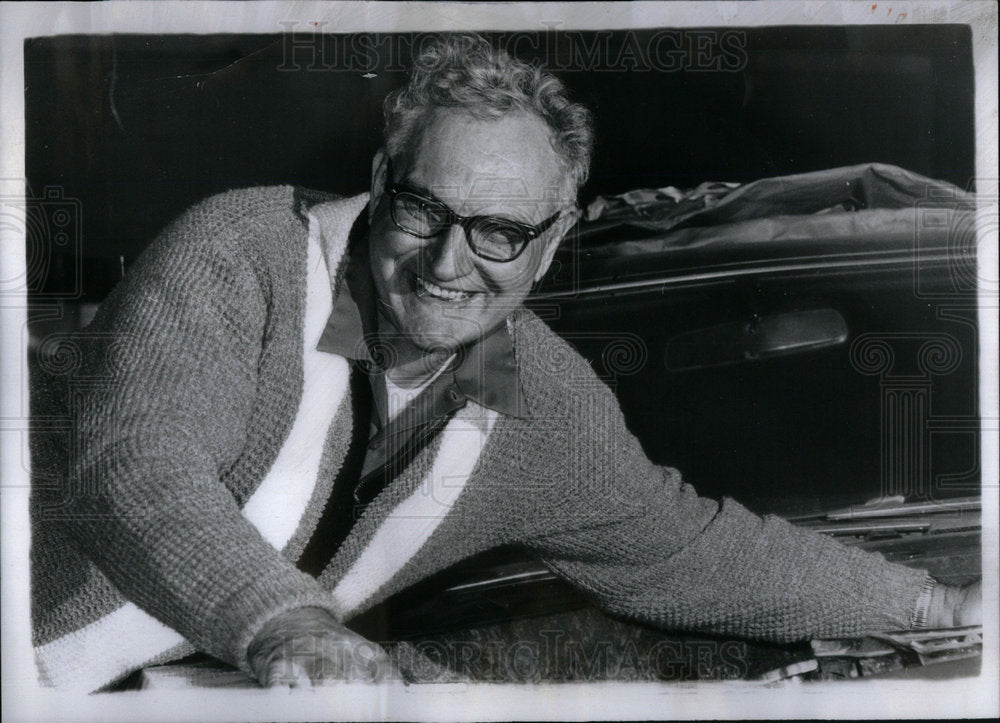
409	204
420	211
501	237
435	214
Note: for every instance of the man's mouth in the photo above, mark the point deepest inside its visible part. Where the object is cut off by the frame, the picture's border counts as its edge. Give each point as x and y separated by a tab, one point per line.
429	288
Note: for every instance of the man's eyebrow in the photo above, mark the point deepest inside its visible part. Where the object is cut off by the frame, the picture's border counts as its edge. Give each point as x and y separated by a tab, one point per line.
409	185
419	188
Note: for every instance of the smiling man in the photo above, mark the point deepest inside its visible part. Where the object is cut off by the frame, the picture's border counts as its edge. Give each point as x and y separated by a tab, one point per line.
463	225
305	404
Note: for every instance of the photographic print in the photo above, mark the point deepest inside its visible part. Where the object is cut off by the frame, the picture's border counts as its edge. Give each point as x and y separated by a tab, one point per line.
499	361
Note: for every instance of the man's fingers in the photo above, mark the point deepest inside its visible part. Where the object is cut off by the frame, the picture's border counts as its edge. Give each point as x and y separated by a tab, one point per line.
307	646
371	662
287	673
970	611
953	606
352	658
315	661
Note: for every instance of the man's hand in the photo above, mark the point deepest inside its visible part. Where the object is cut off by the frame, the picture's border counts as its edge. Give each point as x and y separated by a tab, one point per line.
956	606
307	646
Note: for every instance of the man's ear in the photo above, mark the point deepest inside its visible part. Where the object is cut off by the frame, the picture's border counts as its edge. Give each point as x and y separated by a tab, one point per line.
556	233
379	168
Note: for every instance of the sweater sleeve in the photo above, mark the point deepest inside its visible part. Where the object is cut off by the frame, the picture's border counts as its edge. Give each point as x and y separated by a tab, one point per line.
170	366
652	550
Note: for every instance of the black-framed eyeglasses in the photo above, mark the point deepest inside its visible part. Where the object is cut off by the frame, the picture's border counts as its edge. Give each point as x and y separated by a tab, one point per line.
490	237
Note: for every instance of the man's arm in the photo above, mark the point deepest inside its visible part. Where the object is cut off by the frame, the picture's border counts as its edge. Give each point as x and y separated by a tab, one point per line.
174	354
668	557
740	575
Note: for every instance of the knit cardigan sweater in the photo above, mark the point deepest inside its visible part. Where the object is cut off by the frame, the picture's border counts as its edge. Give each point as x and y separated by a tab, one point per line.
209	429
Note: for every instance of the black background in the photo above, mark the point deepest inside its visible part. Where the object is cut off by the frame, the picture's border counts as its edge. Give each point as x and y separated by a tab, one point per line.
138	127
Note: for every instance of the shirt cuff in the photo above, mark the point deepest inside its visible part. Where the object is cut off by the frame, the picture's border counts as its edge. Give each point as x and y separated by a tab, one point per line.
919	617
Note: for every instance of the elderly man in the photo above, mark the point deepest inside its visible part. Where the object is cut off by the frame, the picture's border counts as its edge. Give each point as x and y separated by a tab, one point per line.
301	405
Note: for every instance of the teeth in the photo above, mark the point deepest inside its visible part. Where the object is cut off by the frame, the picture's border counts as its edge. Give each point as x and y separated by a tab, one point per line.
441	293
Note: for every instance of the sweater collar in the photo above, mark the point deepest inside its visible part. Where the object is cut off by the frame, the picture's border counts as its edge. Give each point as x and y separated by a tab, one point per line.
484	371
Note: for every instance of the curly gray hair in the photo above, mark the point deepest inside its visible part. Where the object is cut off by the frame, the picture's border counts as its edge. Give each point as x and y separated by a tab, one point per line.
466	72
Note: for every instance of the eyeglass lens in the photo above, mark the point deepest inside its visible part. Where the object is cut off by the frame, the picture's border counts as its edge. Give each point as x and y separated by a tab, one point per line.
490	238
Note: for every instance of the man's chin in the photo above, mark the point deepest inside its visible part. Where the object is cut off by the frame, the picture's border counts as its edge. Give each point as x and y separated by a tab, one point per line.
445	344
431	338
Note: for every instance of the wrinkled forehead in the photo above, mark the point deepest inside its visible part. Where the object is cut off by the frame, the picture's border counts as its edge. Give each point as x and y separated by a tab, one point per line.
473	162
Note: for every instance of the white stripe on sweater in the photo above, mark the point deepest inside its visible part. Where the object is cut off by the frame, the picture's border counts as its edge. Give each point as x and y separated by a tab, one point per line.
413	521
126	639
278	504
96	654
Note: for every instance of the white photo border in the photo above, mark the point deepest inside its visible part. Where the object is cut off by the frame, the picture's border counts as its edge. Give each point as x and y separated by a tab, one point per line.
24	699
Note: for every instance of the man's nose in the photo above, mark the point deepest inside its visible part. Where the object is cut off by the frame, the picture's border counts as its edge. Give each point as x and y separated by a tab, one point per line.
448	255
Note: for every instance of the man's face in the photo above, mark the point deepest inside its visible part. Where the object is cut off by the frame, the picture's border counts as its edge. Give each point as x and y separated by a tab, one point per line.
435	291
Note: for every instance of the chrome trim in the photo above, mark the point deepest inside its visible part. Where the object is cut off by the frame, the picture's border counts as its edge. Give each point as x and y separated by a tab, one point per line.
732	273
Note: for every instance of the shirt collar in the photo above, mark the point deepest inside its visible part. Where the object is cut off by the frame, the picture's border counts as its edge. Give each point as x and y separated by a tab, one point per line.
484	371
